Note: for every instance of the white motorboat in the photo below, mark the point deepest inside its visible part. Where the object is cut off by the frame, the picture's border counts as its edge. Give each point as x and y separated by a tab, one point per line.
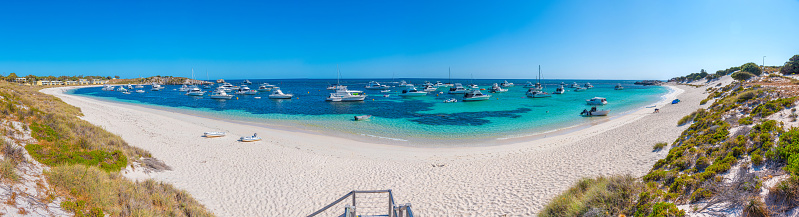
536	93
497	89
207	86
213	134
475	95
385	91
183	88
473	86
195	91
588	85
618	87
278	94
575	85
362	117
126	92
506	84
580	89
244	90
246	82
108	87
265	87
439	84
450	100
342	94
457	89
122	89
227	85
529	85
252	138
404	84
594	112
139	91
130	87
373	85
411	92
139	86
220	93
430	88
559	90
156	87
596	101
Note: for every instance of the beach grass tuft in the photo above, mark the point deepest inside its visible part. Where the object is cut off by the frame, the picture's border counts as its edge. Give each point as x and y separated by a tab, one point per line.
605	194
659	146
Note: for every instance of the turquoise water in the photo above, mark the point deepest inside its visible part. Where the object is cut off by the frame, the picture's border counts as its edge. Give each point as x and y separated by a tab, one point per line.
406	120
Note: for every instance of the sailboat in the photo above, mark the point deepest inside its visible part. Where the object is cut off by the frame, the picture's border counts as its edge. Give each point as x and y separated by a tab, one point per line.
537	91
472	85
338	81
448	84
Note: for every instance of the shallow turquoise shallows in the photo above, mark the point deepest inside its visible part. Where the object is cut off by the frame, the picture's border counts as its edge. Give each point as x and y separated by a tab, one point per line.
415	120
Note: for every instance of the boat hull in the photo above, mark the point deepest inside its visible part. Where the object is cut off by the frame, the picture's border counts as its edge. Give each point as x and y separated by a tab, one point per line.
482	98
221	96
285	96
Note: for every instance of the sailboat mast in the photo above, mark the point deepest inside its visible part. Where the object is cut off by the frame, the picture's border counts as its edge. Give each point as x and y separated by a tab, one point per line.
338	74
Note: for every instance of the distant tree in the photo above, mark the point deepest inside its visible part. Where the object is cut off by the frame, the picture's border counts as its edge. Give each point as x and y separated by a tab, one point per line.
751	68
11	77
742	75
116	76
791	67
721	72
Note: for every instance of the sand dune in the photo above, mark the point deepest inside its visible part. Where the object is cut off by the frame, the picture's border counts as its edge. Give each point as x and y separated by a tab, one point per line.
294	173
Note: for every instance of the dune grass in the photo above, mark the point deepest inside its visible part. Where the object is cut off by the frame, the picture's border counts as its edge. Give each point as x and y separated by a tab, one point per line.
85	160
98	192
612	195
659	146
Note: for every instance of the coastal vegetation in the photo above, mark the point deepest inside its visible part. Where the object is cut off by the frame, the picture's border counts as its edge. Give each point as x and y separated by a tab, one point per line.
791	67
722	163
84	160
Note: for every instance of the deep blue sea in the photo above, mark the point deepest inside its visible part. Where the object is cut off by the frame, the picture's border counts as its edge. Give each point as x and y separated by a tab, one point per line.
416	120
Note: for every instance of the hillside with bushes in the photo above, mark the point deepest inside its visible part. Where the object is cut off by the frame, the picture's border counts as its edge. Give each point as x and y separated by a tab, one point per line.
55	163
738	157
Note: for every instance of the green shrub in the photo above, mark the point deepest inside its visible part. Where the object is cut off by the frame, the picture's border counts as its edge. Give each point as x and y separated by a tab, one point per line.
773	106
742	76
752	68
745	121
704	101
688	118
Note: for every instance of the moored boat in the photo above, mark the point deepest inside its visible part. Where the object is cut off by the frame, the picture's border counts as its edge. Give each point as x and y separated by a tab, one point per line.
475	95
594	112
457	89
506	84
411	92
497	89
596	101
278	94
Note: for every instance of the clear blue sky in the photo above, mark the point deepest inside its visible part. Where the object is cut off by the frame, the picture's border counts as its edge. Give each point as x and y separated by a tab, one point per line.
373	39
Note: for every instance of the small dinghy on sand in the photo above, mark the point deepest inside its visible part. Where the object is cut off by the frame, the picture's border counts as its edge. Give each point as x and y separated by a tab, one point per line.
252	138
213	134
362	117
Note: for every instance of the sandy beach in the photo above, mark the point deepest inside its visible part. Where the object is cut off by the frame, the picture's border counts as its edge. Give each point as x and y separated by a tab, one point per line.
293	173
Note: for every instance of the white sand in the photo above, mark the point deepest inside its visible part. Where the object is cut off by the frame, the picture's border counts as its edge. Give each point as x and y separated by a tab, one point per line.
295	173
